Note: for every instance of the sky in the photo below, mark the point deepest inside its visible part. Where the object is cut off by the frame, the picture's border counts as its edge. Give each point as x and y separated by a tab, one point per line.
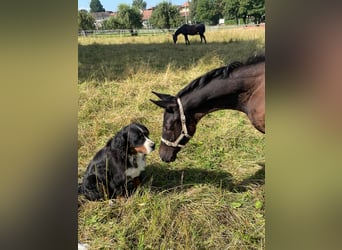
111	5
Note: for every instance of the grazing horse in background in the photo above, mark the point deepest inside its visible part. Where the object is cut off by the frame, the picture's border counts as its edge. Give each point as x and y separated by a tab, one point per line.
187	29
238	86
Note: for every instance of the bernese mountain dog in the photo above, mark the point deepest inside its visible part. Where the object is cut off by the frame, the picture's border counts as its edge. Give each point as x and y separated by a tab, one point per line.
115	169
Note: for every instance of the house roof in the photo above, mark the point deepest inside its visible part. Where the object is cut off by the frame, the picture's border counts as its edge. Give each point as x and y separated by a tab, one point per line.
101	15
113	14
147	14
186	4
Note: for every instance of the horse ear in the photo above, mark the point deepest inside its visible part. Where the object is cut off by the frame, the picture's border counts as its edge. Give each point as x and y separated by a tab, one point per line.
165	104
166	101
165	97
162	104
159	103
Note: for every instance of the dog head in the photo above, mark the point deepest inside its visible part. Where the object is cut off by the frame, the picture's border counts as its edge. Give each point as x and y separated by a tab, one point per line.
134	138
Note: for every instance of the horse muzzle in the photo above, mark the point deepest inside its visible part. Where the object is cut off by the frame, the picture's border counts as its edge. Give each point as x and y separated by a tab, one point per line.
168	154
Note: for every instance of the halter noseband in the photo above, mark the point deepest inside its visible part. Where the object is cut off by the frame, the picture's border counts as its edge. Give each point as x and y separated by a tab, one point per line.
184	132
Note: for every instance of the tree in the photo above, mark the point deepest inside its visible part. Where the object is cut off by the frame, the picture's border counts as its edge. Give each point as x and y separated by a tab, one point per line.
257	10
139	4
96	6
192	9
245	6
111	24
209	11
165	16
129	17
231	8
85	20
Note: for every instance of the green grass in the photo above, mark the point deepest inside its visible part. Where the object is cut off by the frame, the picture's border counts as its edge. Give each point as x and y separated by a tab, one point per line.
212	196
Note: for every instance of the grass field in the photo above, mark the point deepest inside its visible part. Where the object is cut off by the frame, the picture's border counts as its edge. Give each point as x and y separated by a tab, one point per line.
212	196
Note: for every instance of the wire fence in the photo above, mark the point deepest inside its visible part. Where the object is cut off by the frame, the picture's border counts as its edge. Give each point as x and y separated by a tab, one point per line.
136	32
124	32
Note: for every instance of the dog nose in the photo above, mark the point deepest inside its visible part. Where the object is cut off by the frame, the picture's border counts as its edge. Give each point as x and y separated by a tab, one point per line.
153	145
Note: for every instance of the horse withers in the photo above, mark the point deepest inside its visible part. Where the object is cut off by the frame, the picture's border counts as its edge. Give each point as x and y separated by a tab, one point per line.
192	30
238	86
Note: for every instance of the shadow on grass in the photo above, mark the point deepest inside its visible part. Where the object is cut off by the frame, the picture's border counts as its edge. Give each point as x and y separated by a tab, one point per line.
163	178
100	62
257	179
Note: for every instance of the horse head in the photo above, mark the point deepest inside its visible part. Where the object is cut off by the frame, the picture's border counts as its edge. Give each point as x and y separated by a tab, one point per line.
177	128
174	36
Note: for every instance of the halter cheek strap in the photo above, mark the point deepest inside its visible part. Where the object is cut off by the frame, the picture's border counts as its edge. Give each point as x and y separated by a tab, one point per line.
184	132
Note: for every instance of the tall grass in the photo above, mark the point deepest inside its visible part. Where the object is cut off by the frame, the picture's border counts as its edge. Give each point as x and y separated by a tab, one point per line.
212	196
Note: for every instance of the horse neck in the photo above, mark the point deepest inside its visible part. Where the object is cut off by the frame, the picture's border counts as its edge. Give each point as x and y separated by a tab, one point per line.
178	31
202	101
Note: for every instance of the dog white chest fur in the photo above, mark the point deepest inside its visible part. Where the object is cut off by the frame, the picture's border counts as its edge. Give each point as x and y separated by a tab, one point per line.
137	160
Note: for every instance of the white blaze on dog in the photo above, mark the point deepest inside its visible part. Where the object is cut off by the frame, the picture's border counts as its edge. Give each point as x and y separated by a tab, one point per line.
148	145
138	161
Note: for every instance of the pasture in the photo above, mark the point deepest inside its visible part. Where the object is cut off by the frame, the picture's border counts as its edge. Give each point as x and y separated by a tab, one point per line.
212	196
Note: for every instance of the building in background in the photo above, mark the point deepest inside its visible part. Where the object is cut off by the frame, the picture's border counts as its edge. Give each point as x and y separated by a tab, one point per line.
184	11
146	18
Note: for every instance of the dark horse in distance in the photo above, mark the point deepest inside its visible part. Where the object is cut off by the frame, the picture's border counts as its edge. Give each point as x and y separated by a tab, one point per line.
238	86
192	30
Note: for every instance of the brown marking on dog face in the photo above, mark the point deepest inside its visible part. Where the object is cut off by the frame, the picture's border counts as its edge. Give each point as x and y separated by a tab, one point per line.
141	149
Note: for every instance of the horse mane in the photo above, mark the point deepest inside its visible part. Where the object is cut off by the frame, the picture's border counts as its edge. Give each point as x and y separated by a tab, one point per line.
255	59
179	30
222	72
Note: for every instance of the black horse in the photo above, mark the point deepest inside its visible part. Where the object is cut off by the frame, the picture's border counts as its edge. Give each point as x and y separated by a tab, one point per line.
187	29
238	86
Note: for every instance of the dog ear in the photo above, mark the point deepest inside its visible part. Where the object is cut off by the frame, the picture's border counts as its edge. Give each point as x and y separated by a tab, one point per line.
111	143
119	140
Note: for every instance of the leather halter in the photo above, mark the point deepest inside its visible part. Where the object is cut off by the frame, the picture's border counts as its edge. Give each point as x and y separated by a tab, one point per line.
184	132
